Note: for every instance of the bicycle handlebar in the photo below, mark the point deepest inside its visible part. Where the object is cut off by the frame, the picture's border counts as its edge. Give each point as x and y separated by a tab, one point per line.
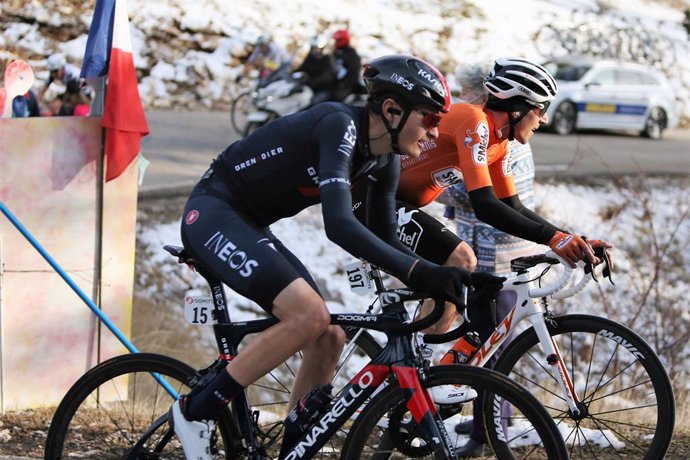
580	285
558	284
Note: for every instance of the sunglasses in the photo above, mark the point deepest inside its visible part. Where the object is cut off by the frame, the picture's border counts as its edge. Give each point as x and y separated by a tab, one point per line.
542	107
429	119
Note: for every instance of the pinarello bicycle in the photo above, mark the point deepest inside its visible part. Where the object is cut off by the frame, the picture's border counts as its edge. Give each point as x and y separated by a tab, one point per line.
121	407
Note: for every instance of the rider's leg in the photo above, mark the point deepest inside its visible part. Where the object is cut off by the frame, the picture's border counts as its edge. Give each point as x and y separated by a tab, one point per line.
303	318
463	257
320	358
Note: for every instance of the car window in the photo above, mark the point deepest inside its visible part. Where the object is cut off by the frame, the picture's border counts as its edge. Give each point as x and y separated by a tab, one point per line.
648	79
604	77
566	71
628	77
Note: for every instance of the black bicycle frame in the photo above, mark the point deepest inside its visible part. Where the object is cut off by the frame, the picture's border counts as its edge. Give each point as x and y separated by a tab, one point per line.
396	360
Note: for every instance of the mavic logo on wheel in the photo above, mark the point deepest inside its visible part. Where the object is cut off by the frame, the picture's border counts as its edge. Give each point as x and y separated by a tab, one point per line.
497	419
628	346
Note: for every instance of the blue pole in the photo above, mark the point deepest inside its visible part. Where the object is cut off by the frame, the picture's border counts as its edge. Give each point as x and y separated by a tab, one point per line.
109	324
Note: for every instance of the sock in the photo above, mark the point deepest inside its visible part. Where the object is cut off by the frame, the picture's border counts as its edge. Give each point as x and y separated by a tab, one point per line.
207	404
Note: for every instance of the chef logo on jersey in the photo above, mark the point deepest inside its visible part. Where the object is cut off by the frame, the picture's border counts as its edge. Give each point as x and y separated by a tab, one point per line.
409	231
477	141
446	177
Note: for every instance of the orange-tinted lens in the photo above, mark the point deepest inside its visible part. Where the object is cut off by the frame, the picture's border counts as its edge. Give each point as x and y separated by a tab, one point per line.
430	120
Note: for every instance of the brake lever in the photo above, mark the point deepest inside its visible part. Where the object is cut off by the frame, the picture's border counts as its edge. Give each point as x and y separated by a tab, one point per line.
602	254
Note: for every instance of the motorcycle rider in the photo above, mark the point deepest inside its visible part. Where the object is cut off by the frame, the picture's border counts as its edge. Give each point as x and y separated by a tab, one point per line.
348	66
319	70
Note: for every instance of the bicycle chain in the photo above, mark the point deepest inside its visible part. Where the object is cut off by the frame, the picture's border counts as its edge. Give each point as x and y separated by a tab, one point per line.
403	440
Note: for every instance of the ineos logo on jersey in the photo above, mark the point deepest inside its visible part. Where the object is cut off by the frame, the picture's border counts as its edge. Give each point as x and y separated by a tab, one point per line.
349	140
228	252
402	81
478	141
191	217
446	177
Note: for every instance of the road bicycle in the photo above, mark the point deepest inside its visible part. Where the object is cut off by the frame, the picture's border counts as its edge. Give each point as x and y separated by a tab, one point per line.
603	383
119	409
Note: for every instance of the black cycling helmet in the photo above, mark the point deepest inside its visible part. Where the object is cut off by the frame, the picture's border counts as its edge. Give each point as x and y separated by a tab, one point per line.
411	82
519	85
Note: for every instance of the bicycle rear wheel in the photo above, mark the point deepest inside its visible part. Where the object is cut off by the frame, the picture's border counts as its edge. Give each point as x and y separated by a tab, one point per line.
627	403
269	396
386	430
108	410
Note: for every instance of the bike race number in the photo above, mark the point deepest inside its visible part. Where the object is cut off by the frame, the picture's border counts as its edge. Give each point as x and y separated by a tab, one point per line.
360	277
198	309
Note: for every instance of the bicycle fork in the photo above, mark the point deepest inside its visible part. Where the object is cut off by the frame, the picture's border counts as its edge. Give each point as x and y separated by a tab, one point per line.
554	360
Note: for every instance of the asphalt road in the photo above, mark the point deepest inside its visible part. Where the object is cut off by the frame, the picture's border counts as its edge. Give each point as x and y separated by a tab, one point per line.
181	145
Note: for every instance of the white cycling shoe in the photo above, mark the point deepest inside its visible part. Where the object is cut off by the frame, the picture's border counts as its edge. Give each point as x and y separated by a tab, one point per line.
452	394
195	436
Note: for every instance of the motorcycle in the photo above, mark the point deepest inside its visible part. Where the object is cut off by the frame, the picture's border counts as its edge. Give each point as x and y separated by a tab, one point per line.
276	99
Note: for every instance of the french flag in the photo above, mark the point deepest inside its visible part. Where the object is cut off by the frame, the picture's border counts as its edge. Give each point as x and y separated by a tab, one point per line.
109	52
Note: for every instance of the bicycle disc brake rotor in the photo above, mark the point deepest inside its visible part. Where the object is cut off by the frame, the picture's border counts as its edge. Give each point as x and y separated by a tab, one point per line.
406	435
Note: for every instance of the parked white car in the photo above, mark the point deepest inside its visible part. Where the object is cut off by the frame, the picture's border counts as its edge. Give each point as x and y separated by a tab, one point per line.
608	94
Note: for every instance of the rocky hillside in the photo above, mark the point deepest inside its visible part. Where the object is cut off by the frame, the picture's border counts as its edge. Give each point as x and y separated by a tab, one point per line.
188	53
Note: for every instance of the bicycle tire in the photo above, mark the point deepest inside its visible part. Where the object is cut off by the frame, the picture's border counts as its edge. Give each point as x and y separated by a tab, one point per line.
239	109
384	430
109	427
632	398
269	396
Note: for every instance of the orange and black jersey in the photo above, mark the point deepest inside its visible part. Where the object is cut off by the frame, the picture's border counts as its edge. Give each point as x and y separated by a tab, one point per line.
469	148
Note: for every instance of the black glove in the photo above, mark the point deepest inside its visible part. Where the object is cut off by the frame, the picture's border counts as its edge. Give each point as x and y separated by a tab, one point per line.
440	282
482	300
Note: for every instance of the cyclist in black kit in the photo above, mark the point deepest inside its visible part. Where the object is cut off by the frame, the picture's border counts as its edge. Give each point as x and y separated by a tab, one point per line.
294	162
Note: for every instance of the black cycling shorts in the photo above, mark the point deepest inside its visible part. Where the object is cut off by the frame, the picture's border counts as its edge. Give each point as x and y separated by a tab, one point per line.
424	235
246	257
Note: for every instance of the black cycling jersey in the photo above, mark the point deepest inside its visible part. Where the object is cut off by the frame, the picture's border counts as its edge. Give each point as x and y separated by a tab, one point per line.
286	166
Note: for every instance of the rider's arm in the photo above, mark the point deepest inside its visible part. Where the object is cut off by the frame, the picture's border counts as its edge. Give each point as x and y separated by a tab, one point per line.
489	209
340	224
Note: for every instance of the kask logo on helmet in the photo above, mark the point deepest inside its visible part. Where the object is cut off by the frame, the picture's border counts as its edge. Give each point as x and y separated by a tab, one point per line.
431	78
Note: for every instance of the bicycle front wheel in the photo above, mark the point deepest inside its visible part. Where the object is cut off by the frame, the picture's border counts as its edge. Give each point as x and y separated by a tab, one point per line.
108	410
627	407
385	429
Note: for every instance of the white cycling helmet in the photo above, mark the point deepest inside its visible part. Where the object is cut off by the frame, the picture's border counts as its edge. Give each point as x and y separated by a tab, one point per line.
519	80
516	86
55	61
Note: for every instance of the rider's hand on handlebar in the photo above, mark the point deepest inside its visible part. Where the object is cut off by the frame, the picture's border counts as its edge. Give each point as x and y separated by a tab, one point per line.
605	246
441	282
571	248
